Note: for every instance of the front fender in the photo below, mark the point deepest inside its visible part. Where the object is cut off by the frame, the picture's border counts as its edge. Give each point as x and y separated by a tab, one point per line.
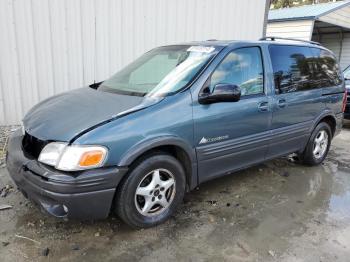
140	148
168	123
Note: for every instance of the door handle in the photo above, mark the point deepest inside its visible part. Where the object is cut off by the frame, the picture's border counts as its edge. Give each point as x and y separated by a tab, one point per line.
263	106
282	103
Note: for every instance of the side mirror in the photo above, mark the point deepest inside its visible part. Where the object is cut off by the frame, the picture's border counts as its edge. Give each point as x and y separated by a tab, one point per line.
95	85
221	93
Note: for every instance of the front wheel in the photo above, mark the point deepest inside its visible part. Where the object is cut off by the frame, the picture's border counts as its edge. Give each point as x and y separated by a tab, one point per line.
317	148
151	192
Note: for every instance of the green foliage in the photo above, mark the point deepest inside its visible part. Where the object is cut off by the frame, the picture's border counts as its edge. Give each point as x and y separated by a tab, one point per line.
275	4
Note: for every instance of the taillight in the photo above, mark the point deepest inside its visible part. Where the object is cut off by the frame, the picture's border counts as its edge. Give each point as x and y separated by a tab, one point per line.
344	100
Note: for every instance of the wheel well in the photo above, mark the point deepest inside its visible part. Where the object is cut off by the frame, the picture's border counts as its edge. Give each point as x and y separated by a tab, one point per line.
174	151
330	121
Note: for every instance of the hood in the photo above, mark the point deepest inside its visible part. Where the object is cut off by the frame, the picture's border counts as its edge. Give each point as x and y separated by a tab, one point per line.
63	117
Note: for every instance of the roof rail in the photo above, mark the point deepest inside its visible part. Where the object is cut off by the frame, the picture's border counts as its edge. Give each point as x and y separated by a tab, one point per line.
273	38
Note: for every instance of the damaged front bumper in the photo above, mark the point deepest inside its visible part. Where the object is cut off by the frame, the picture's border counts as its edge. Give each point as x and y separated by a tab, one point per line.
82	195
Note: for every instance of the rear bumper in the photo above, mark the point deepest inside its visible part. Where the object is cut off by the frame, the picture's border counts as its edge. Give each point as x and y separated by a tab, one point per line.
82	195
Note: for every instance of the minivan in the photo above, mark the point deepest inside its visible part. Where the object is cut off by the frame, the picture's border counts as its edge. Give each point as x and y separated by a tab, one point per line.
176	117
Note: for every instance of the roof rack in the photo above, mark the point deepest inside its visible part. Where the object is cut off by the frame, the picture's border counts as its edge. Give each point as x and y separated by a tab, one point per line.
273	38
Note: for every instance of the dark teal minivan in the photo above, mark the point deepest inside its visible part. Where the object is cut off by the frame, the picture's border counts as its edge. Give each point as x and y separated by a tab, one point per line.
176	117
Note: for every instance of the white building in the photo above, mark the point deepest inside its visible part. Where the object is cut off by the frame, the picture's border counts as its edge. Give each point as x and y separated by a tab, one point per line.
51	46
327	23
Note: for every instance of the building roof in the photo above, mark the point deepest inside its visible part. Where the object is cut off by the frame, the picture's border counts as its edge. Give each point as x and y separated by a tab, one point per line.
306	11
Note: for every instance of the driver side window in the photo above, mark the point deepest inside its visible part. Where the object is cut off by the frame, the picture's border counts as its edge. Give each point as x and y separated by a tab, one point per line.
242	67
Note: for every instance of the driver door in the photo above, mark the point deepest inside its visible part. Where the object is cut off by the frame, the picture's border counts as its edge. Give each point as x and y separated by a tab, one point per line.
232	135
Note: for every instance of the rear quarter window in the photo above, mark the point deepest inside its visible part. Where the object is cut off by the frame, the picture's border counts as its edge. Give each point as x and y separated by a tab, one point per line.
327	71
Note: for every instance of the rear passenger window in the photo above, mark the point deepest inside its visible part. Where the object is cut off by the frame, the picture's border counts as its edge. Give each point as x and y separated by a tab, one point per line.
292	68
242	67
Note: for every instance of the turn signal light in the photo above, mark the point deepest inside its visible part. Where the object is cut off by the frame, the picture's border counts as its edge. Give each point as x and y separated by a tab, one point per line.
91	158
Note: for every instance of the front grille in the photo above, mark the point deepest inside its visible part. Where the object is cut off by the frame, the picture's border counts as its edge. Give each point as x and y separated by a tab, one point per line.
32	146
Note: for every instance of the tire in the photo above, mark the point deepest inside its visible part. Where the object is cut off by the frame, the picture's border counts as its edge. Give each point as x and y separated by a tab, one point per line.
309	156
140	187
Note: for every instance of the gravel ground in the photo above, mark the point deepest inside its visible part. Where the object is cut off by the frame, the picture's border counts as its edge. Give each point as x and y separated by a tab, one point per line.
276	211
5	131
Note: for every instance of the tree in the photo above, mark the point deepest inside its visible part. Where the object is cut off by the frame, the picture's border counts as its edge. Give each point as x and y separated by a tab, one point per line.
275	4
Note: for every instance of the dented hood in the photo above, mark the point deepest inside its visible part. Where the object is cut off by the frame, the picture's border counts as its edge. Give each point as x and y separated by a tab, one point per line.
65	116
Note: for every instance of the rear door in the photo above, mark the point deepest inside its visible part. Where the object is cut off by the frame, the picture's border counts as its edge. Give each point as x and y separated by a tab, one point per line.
298	99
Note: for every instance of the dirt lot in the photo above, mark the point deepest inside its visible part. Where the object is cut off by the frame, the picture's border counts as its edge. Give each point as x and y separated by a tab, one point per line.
277	211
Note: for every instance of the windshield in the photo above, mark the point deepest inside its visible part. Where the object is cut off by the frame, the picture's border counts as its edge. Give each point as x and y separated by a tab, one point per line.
160	72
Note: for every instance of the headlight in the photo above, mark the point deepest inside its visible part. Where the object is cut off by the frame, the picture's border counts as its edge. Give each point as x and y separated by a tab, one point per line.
72	157
51	153
82	157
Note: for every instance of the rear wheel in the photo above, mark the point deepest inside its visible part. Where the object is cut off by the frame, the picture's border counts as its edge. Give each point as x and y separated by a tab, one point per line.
151	192
317	148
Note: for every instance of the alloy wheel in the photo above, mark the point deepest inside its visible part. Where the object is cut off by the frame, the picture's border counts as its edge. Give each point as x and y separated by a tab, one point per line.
155	192
320	144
